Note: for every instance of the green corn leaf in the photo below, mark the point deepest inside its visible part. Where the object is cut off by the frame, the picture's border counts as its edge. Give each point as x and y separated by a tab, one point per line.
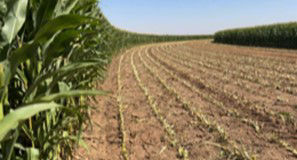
63	11
14	21
4	81
57	47
3	8
9	146
72	93
1	111
63	87
60	23
45	12
12	120
22	54
32	154
4	73
84	5
22	77
65	70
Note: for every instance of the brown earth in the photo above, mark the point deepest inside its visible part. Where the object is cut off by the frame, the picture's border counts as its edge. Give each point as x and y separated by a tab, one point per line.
196	100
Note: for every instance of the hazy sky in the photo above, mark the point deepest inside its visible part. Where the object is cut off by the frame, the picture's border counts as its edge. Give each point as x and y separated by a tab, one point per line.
195	16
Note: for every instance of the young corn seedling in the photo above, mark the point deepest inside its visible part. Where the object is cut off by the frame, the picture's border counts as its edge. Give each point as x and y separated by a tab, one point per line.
168	128
121	107
223	136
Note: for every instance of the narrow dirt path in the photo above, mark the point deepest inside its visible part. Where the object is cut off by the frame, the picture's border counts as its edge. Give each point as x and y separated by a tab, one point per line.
103	138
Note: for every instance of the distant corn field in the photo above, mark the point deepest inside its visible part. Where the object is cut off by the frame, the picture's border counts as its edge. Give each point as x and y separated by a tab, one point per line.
278	35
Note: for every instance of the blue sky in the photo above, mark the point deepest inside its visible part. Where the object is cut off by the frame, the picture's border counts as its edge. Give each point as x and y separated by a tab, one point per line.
195	16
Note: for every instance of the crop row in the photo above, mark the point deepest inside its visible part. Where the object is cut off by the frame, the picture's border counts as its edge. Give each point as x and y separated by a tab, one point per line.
211	99
270	59
240	152
151	101
265	73
238	80
246	73
121	110
240	101
277	64
199	67
235	152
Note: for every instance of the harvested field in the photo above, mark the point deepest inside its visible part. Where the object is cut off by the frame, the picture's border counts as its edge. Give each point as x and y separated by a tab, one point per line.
197	100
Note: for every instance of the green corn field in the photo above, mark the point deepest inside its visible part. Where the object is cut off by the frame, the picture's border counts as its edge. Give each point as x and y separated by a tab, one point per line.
51	53
278	35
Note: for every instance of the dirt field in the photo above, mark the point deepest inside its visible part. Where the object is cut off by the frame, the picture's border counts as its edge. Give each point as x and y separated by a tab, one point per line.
197	100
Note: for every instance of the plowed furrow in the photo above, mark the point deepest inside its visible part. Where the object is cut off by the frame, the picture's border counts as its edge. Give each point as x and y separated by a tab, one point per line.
230	96
169	128
240	59
197	100
244	98
145	137
266	54
233	102
241	71
283	79
233	126
227	146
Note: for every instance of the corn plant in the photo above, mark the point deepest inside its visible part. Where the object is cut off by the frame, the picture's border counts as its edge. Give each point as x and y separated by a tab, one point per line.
41	45
277	35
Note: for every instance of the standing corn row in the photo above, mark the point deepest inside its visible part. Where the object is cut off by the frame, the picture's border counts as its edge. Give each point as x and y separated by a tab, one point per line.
278	35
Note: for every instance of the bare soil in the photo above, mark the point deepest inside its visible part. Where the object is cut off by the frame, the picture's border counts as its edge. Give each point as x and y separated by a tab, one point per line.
197	100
